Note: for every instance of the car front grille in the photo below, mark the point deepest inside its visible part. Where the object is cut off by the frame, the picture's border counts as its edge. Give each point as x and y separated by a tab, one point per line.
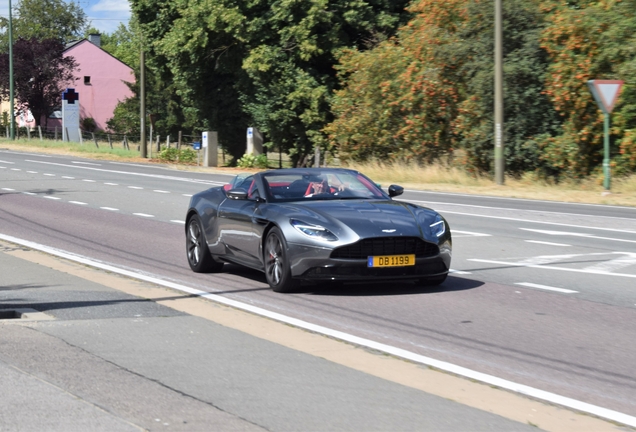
386	246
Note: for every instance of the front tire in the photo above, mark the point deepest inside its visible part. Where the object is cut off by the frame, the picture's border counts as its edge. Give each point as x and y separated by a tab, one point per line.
198	254
277	265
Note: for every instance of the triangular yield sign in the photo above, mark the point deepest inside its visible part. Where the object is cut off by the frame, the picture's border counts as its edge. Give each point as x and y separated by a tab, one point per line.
605	92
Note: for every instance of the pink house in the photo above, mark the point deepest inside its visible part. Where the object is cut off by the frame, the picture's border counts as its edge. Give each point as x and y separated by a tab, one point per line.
100	80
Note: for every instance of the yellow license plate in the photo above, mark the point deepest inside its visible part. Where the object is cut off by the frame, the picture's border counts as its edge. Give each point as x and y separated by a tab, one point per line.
391	261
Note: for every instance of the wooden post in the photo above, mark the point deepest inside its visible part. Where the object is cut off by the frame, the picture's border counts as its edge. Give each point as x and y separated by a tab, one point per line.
55	133
40	132
150	143
110	141
67	137
80	136
168	141
28	132
158	144
179	141
95	139
7	132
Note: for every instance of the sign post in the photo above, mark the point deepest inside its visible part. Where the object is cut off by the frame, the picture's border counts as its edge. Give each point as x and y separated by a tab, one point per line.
606	93
70	116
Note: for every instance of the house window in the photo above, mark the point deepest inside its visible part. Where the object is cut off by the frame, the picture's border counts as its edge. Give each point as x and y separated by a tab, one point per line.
87	80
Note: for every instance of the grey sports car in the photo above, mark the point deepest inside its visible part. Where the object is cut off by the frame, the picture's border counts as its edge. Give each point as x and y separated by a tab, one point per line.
316	224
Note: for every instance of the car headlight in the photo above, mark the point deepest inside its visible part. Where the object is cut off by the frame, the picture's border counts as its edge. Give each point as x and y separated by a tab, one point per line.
438	228
315	232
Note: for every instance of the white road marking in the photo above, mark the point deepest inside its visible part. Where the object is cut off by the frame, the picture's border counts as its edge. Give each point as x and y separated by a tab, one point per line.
398	352
469	234
16	169
49	175
572	234
68	177
545	287
78	202
29	193
546	243
615	264
109	208
51	197
134	187
8	189
161	191
3	167
187	195
32	172
3	161
178	221
459	272
143	215
86	163
112	184
512	264
89	181
540	222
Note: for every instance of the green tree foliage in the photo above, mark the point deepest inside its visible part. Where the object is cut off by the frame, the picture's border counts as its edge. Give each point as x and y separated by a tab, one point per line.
265	63
430	89
44	19
592	40
41	73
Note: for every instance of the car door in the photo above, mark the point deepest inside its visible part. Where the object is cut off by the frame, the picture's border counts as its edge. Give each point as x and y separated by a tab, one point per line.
239	228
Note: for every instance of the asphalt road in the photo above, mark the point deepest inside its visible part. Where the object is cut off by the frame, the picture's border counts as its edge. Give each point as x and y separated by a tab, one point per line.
542	293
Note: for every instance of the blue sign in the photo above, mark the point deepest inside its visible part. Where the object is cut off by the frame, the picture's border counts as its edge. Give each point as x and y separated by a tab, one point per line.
196	145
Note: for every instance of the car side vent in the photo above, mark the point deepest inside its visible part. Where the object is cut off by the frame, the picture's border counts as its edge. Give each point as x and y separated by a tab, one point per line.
386	246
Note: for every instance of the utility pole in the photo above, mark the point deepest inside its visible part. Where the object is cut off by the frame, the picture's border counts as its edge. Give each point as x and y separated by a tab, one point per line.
11	93
499	105
142	102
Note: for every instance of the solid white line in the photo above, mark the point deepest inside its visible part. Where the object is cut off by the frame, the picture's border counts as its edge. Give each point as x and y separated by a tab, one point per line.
546	243
67	177
160	191
539	222
545	267
178	221
134	187
545	287
51	197
143	215
109	208
448	367
86	163
112	184
78	202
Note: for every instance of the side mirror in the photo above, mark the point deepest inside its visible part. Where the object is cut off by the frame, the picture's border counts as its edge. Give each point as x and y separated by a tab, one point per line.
395	190
237	194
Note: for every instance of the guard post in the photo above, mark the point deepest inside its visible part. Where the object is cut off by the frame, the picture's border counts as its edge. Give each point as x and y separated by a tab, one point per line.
605	94
210	144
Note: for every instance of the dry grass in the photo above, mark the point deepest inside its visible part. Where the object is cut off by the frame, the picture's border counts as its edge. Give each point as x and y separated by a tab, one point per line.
437	178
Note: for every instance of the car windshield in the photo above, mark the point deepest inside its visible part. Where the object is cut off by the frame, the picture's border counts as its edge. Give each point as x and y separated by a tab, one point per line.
315	185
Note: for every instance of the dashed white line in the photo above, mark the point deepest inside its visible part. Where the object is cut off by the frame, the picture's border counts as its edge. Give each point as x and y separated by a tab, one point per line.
16	169
109	208
143	215
187	195
134	187
68	177
29	193
86	163
78	202
161	191
112	184
549	267
459	272
8	189
49	175
470	234
89	181
545	287
32	172
1	167
52	197
3	161
178	221
546	243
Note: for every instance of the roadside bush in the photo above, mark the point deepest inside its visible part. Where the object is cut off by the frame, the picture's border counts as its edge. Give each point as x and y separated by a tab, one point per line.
251	161
186	155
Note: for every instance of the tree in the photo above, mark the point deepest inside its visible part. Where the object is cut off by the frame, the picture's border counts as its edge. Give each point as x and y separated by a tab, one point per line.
45	19
265	62
41	73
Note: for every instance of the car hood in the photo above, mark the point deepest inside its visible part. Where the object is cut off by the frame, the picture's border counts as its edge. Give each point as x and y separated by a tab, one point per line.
367	218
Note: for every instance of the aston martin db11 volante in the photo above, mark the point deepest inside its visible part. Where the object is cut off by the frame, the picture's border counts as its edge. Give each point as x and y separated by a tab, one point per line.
316	224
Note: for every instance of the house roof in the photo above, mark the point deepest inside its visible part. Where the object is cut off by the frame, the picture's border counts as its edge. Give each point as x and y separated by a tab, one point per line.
73	44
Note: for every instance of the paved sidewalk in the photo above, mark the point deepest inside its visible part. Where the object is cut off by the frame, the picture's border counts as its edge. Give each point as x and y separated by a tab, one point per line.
111	361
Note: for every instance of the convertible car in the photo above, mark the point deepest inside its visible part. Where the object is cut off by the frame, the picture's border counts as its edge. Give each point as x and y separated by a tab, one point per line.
316	224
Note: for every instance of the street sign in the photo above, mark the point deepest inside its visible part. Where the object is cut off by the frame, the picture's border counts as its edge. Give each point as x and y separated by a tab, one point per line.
196	145
605	93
